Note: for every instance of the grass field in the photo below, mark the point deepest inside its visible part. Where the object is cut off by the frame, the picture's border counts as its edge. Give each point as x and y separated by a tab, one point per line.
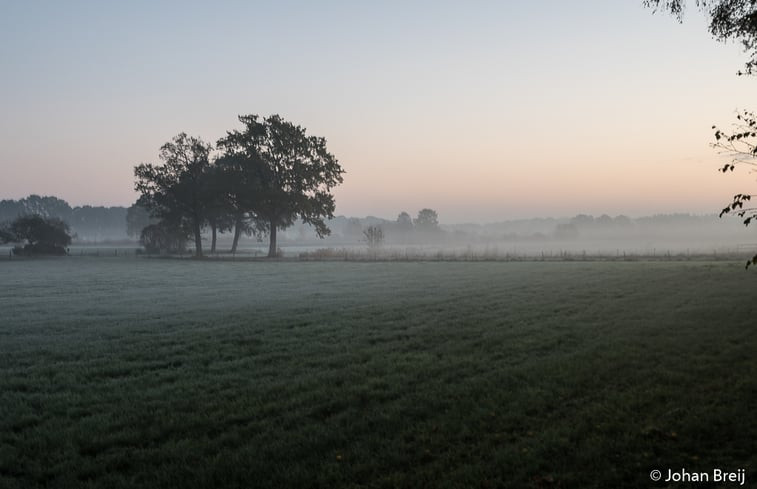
176	373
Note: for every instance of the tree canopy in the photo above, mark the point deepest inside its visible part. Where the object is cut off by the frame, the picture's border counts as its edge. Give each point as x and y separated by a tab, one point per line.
290	173
267	175
176	190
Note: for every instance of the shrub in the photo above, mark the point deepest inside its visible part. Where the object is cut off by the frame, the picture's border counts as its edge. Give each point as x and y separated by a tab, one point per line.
43	235
163	238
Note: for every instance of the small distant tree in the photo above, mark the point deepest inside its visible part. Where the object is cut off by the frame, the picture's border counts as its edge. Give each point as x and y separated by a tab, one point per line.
374	236
427	220
42	235
164	238
404	222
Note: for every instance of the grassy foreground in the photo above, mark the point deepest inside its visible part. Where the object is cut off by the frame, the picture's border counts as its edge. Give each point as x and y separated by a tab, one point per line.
159	373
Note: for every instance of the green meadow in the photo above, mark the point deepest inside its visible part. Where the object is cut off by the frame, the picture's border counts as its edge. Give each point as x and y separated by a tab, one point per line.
126	372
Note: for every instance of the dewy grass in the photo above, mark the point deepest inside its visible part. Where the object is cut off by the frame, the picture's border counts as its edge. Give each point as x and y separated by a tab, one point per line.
161	373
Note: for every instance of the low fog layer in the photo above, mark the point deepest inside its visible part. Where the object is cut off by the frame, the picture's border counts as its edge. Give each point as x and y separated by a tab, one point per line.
603	235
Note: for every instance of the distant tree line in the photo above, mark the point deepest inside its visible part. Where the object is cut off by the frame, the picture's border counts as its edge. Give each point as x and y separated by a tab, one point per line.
257	180
94	223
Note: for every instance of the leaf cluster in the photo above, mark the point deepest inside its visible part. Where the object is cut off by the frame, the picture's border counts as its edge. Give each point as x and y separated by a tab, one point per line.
729	20
740	146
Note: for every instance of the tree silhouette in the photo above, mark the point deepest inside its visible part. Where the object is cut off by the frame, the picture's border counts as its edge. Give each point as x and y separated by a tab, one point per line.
404	222
296	173
43	235
176	191
374	236
427	220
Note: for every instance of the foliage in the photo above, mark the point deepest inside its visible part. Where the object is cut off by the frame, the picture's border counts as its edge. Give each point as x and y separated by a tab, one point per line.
729	20
237	188
427	220
42	235
404	222
741	146
6	236
737	20
164	237
295	173
374	236
176	191
45	206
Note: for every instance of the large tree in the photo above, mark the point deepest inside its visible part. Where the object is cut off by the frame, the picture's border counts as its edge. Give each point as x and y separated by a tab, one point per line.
176	191
295	173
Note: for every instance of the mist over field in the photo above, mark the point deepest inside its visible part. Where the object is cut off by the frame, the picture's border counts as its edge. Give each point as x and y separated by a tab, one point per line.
604	235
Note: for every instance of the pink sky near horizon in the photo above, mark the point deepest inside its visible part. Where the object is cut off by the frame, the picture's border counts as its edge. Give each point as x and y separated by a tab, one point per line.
473	112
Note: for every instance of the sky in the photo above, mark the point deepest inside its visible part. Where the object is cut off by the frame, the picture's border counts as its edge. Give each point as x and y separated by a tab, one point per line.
484	111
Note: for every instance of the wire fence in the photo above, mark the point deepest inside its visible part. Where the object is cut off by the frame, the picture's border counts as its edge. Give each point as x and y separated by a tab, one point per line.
395	254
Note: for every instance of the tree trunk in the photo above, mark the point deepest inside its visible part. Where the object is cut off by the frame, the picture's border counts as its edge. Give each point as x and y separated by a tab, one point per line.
272	243
237	232
214	231
198	239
